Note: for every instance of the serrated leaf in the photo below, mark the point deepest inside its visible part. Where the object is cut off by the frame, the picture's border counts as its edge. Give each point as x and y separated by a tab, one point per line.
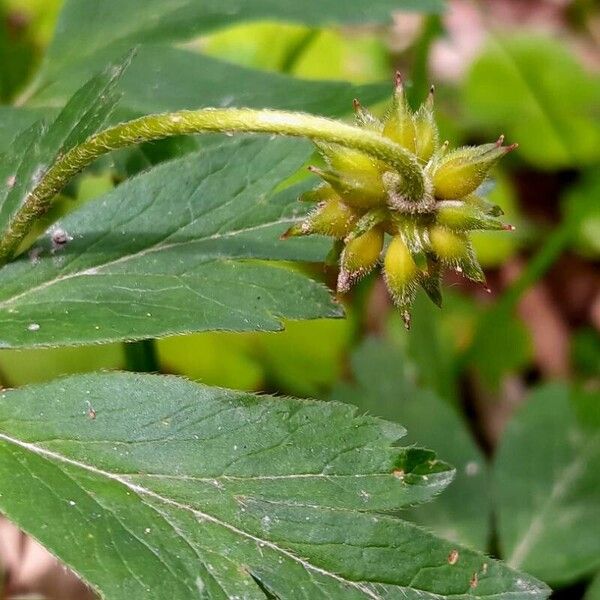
169	252
34	151
547	485
154	487
383	388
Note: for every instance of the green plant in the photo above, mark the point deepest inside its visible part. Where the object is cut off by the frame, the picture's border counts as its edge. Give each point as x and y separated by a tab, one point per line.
151	486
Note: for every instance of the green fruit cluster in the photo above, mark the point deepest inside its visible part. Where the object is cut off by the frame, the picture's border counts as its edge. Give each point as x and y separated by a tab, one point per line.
362	199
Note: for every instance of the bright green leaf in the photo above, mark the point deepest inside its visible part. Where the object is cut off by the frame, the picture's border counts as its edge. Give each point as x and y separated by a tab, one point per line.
214	358
532	89
40	14
307	358
154	487
261	45
168	252
302	51
547	485
20	367
383	388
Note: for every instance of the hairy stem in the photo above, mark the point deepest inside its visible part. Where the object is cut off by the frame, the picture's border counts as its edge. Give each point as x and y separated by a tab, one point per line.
227	120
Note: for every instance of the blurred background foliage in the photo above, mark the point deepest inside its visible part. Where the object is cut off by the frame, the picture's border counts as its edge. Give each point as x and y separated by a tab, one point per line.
490	379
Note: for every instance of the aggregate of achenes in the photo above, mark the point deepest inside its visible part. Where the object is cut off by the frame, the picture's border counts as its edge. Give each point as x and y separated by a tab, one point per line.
362	199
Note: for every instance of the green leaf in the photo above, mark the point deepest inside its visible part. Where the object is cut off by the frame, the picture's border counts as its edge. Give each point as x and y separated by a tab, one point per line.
14	120
89	34
501	345
547	485
218	358
86	28
383	388
302	51
552	113
20	367
585	352
307	358
35	150
154	487
431	345
162	78
168	252
582	208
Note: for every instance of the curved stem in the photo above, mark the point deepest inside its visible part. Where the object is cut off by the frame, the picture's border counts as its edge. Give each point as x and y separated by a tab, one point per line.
228	120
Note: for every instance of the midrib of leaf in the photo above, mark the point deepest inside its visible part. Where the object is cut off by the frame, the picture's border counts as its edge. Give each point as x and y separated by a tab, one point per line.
567	477
141	492
91	271
543	106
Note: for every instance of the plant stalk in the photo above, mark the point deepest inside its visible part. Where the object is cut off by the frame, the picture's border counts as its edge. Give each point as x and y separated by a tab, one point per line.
227	120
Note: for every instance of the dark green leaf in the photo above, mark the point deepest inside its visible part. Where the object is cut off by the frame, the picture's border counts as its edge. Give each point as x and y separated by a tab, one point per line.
383	388
87	27
547	485
34	151
585	352
153	487
90	34
162	78
168	252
